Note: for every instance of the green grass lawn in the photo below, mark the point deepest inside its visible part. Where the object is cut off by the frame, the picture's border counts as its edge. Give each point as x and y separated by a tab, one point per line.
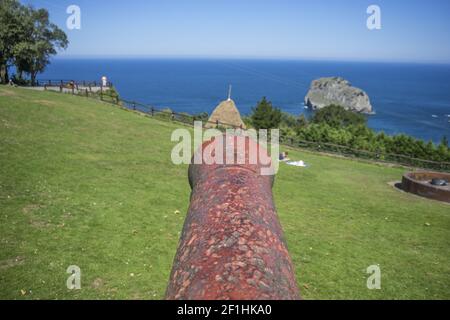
89	184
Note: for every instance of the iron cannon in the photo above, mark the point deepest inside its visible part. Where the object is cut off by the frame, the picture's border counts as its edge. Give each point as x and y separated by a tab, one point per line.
232	245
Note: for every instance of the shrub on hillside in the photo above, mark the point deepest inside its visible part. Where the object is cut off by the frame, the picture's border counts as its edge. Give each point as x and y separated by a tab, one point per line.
265	116
336	116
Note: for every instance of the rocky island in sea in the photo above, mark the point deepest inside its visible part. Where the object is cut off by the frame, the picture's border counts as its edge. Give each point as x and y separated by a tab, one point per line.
336	90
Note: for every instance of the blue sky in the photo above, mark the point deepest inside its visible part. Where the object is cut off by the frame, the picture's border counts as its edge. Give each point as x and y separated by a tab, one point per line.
412	30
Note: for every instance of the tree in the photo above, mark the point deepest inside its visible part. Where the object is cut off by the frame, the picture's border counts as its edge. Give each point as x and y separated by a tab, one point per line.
336	116
45	38
27	39
288	120
265	116
302	121
12	27
444	141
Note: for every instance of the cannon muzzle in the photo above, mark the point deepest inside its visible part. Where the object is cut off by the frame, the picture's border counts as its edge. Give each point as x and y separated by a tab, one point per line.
232	245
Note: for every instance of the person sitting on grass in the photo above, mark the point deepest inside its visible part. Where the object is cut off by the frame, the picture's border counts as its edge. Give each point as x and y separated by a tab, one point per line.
284	156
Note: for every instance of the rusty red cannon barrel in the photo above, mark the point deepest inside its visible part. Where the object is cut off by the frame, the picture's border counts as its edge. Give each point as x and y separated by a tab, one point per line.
232	245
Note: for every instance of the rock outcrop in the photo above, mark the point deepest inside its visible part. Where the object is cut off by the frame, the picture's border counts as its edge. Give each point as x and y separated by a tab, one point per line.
326	91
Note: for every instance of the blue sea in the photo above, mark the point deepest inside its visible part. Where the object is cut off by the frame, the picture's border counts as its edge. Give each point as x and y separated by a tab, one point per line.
407	98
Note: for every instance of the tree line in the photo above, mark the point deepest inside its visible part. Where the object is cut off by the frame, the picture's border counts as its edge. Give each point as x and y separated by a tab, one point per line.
28	39
335	125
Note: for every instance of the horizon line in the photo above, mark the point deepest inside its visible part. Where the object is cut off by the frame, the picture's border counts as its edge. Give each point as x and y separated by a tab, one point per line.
255	58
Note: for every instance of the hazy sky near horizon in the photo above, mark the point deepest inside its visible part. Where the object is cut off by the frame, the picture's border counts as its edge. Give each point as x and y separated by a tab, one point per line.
412	30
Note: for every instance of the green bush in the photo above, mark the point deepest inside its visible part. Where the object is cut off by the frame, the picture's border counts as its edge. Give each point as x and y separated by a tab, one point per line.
265	116
334	129
337	116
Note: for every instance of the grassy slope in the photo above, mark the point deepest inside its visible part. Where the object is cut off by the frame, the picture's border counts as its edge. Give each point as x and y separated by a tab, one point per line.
89	184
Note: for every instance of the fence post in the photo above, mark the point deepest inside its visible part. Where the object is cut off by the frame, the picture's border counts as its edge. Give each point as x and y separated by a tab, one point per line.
153	111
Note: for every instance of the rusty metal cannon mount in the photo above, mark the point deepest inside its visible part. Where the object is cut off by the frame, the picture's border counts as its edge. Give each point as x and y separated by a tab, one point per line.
232	245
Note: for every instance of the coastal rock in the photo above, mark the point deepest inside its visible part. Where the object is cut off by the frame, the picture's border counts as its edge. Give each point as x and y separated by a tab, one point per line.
335	90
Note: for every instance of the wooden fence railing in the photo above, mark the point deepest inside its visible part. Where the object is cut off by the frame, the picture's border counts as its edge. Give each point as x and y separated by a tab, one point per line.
67	83
110	96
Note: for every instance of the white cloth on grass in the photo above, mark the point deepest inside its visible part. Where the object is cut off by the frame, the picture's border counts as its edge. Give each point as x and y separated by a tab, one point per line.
300	163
